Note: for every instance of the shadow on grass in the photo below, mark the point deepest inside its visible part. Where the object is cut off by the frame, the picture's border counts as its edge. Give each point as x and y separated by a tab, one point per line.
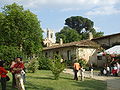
30	86
91	84
48	78
67	78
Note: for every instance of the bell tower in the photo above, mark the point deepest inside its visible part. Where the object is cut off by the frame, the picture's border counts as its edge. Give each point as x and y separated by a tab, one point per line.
51	35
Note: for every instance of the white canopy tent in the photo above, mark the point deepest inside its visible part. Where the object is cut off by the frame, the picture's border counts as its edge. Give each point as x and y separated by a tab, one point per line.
112	50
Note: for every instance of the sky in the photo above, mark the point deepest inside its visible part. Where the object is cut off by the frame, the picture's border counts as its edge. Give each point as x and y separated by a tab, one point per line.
52	13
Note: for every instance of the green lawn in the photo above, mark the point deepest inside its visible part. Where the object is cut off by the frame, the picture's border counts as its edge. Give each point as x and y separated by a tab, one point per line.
44	80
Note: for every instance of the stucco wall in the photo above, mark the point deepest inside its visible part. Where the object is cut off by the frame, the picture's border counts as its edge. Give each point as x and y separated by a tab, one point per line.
62	52
102	62
109	41
89	54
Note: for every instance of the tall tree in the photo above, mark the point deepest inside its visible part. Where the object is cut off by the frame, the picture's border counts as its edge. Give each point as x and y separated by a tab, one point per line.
79	23
21	28
83	26
68	35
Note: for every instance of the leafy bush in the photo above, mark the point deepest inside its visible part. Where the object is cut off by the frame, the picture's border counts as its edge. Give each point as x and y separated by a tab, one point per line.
69	62
56	66
82	62
32	65
43	63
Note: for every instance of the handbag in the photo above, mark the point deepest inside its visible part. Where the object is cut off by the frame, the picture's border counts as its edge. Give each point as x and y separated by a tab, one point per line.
7	78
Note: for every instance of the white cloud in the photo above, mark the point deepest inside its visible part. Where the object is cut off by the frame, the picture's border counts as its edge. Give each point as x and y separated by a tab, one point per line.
97	7
70	9
108	10
63	3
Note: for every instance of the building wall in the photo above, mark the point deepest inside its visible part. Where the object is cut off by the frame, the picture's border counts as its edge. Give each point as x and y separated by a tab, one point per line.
89	54
61	51
109	41
101	61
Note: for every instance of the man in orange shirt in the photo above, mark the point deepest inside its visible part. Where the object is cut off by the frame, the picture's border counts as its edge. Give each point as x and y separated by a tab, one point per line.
76	68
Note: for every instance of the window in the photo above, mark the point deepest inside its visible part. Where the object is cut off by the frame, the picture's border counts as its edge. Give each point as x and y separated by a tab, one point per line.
46	54
99	57
51	35
69	55
57	52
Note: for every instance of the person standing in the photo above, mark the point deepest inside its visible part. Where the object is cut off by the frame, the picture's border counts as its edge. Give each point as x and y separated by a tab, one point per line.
82	70
13	74
91	70
3	75
23	71
17	68
76	69
118	68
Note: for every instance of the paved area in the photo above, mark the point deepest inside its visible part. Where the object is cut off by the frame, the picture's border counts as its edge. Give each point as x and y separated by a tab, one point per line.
113	83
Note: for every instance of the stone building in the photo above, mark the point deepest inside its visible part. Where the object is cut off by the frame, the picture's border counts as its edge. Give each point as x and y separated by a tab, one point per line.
108	40
86	49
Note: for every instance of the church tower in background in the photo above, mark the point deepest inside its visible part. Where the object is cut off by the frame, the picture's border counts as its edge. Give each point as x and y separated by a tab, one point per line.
50	39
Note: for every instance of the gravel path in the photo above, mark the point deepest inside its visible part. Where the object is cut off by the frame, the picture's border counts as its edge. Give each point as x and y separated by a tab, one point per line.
113	83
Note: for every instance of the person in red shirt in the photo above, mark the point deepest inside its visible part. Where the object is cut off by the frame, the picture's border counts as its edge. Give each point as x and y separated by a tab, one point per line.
17	68
13	74
3	75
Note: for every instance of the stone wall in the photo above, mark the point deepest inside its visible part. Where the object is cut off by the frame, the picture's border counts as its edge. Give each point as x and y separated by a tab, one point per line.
89	54
108	41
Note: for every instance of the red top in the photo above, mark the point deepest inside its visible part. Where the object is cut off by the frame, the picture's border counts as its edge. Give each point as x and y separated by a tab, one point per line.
18	66
3	72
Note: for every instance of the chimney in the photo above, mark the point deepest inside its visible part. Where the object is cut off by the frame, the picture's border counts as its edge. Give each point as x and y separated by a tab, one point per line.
90	36
61	41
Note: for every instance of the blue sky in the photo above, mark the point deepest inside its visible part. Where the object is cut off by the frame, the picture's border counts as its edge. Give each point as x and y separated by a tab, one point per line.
52	13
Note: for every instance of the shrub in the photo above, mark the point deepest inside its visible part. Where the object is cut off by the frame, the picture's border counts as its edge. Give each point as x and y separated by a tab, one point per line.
69	62
32	65
82	62
56	66
43	63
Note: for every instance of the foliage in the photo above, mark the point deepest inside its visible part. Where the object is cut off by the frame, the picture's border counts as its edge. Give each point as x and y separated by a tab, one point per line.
20	28
56	66
82	62
68	35
8	53
69	62
43	63
32	65
79	23
83	26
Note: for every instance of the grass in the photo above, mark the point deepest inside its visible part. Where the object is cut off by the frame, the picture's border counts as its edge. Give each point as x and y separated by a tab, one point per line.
44	80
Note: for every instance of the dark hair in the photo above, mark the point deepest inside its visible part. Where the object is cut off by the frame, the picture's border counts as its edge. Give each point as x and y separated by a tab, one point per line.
1	63
19	57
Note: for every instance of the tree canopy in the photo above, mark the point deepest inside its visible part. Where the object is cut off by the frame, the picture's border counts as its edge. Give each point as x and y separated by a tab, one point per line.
68	35
20	28
80	26
79	23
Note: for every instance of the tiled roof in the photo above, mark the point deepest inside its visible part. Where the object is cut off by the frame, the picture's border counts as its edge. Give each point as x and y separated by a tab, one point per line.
106	36
82	43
